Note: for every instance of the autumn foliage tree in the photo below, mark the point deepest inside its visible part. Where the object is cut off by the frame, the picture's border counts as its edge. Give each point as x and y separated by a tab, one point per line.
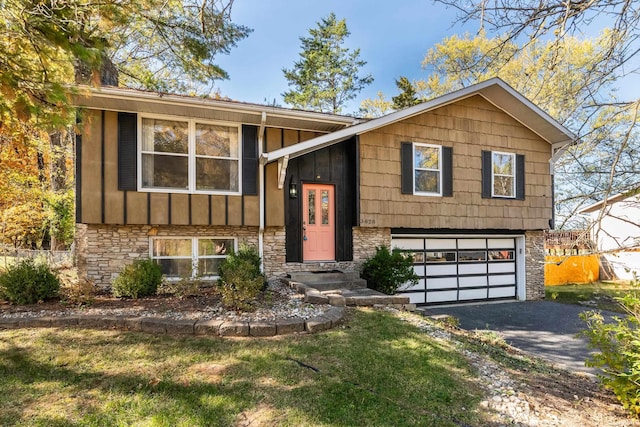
46	47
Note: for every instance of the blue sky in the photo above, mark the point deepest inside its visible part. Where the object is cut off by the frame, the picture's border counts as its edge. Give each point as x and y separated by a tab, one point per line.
393	38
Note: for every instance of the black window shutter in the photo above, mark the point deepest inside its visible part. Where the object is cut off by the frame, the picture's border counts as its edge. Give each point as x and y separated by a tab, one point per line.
249	160
447	171
407	168
127	151
486	174
519	177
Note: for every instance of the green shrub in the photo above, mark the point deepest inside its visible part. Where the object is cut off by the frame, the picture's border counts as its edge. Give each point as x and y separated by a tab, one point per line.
240	279
27	282
618	344
138	279
186	287
387	271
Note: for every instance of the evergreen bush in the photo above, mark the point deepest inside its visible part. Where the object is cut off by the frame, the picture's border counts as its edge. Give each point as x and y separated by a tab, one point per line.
240	279
138	279
28	282
387	271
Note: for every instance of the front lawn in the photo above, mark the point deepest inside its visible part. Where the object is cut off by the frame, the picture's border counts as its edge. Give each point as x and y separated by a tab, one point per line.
600	295
375	370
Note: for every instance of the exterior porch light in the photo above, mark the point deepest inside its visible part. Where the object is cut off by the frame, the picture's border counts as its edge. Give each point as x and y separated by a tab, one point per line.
293	190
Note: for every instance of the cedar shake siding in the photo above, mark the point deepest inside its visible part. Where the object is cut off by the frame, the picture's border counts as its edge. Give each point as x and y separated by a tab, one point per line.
469	126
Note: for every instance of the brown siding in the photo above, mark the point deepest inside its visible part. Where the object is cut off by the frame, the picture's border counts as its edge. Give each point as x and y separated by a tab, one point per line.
234	204
291	137
156	208
469	126
199	209
159	208
274	197
251	210
114	199
136	208
180	209
218	210
91	193
273	139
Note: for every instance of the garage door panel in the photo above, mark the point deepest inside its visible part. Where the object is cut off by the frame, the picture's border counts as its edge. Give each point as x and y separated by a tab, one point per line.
500	243
444	296
469	281
502	292
507	279
419	270
410	287
472	243
440	244
415	297
442	283
442	270
502	267
465	269
467	294
408	243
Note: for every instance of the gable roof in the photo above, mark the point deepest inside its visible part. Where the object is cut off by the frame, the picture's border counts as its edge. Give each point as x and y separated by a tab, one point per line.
610	200
494	90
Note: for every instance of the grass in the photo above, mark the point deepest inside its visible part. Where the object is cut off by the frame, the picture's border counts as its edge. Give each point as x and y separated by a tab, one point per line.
599	295
375	370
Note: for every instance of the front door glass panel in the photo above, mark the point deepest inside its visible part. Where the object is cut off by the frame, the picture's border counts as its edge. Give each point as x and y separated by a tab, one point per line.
312	207
325	207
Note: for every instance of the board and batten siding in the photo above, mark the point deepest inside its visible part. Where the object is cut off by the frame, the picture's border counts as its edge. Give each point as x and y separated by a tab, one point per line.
469	126
274	197
102	202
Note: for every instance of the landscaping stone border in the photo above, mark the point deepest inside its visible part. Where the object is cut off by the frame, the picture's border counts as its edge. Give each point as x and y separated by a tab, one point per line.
160	325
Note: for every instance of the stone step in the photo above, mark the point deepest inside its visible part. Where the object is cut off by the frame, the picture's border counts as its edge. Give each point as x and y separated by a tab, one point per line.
311	277
328	280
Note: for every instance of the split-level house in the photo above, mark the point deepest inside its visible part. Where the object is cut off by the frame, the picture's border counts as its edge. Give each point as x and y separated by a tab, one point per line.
462	182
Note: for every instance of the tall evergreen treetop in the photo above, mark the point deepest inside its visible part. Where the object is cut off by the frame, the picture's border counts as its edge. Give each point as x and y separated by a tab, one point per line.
327	75
407	96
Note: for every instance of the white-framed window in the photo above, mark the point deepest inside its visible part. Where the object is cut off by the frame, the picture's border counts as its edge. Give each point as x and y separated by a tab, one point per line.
188	156
503	174
427	169
190	256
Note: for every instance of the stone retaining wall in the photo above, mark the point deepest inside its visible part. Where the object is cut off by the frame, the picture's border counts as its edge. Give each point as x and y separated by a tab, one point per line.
157	325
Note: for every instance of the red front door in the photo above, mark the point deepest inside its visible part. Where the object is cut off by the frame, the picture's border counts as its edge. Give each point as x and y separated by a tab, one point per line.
318	223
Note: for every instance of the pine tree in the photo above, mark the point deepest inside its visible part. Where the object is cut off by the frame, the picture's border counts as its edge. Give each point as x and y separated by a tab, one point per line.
327	75
407	96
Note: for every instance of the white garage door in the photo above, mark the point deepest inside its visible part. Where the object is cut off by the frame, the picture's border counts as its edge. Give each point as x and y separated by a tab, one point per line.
460	269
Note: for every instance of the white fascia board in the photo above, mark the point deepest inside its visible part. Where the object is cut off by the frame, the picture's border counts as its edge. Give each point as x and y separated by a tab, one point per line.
358	129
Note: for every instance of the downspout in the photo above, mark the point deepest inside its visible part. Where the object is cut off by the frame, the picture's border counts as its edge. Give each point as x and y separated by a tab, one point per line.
261	207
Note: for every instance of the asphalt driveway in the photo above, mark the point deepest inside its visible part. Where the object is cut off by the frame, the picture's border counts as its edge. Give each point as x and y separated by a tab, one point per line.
542	328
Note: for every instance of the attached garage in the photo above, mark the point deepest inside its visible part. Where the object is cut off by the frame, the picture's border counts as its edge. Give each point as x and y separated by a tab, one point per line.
459	268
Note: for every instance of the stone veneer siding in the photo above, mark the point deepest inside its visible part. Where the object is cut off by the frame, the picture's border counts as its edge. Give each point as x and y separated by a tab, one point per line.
534	261
365	240
103	250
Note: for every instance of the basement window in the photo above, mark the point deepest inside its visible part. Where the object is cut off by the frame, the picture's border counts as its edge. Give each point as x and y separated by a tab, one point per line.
190	257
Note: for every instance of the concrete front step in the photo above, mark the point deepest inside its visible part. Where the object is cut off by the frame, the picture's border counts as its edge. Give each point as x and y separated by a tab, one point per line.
328	280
